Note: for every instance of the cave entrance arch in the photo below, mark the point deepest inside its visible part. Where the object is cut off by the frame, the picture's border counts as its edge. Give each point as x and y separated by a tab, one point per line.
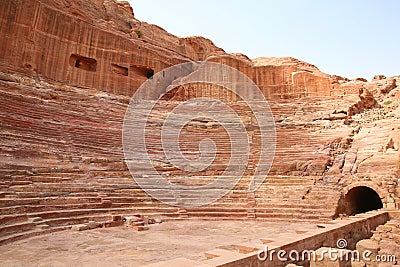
359	199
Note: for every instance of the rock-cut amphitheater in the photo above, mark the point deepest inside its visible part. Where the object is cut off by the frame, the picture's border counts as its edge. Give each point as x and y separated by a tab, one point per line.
68	71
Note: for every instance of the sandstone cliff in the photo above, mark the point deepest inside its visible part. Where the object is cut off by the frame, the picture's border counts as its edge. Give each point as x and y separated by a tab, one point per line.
100	45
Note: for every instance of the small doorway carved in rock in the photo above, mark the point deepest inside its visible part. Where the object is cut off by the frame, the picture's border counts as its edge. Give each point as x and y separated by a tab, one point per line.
359	199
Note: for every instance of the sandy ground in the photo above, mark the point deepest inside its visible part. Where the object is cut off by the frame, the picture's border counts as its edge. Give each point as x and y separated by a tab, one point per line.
122	246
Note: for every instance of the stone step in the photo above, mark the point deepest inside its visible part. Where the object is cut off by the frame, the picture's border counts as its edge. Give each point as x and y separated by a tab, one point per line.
301	210
16	227
299	216
64	201
10	202
290	214
300	204
267	219
87	206
12	219
216	214
88	212
30	233
44	207
55	222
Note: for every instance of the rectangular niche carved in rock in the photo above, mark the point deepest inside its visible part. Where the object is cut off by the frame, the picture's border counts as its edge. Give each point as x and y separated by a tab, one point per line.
119	69
142	71
81	62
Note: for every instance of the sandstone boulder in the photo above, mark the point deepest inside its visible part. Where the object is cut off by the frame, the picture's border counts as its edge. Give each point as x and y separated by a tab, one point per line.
367	101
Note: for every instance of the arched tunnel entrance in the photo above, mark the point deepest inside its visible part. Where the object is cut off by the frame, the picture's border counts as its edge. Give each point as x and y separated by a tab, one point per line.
359	199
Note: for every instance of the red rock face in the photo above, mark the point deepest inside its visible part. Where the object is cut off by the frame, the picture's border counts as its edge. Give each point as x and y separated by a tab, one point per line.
42	41
101	49
67	72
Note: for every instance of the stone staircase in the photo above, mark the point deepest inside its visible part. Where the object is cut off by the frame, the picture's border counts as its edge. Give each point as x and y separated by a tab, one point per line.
45	204
292	198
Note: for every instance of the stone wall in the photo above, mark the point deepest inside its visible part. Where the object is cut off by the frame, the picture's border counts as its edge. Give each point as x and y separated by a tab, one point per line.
352	230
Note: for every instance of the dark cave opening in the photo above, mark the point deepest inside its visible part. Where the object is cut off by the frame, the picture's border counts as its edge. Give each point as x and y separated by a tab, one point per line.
359	200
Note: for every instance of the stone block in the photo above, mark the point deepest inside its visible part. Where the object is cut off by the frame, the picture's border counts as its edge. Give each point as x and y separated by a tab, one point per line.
385	264
331	257
80	227
359	263
368	244
92	225
106	203
43	226
140	228
116	218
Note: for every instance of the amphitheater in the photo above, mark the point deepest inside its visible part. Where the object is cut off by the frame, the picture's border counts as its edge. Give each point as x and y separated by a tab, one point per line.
68	71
